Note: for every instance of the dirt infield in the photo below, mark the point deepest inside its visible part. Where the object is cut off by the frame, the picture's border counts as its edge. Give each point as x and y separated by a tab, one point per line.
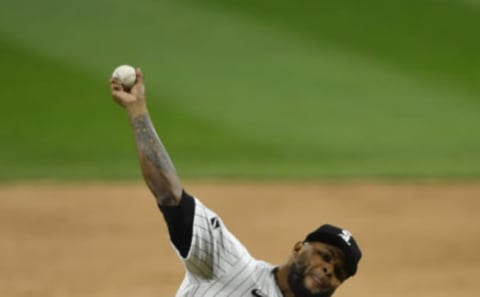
110	240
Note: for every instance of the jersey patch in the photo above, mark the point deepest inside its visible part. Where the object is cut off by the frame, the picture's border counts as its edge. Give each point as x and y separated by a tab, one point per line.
215	223
258	293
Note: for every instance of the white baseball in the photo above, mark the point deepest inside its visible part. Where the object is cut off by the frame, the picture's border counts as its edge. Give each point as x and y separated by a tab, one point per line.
126	74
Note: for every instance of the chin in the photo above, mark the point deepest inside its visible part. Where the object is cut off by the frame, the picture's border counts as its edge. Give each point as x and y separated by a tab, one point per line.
296	280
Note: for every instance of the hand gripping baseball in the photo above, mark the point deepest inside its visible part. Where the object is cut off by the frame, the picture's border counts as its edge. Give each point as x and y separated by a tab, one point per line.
135	96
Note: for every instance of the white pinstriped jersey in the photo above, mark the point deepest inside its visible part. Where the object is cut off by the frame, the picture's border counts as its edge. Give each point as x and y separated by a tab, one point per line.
218	265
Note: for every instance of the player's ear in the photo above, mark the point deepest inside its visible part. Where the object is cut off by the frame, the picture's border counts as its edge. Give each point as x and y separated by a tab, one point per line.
297	247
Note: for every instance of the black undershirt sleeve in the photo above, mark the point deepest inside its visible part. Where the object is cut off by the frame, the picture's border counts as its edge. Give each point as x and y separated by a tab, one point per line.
179	219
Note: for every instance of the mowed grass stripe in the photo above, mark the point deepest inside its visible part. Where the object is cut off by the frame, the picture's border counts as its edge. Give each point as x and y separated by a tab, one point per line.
56	127
434	39
238	96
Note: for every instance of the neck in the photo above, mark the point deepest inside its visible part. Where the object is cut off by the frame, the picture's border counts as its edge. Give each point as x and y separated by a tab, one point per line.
281	277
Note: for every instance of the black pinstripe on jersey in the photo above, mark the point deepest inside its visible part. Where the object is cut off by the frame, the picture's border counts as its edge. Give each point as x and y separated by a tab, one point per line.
218	265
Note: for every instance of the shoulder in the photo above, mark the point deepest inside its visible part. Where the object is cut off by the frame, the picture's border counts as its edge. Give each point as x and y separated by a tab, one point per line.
262	270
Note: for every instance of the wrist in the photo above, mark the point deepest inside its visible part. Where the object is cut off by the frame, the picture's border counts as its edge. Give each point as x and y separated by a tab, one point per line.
136	109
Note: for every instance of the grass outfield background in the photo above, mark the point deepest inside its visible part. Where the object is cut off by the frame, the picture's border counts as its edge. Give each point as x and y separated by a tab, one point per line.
246	89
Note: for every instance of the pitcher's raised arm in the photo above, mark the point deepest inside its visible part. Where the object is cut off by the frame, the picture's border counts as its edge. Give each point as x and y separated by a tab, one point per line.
157	167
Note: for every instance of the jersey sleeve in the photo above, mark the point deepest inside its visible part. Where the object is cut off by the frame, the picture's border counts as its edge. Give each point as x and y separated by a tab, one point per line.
179	221
212	250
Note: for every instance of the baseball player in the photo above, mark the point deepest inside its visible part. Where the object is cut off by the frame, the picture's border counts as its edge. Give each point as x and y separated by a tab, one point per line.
216	263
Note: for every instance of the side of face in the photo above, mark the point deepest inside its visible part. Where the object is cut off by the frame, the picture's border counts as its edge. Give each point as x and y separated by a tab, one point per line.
317	269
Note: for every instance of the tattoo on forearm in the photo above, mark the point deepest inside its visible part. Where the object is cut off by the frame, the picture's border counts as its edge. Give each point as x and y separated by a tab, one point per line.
152	149
150	142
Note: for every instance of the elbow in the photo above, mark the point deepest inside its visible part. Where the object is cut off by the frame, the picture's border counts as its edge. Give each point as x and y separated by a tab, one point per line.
166	192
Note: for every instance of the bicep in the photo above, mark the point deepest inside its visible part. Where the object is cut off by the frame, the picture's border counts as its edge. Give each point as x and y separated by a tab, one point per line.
214	250
206	246
179	219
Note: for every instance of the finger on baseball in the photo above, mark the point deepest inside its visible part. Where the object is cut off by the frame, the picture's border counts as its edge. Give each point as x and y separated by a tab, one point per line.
115	85
116	95
139	75
114	80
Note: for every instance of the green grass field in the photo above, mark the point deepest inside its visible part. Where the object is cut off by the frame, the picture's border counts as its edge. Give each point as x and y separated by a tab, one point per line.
244	89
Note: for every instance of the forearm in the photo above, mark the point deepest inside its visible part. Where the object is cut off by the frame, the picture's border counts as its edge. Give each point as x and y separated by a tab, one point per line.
157	167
